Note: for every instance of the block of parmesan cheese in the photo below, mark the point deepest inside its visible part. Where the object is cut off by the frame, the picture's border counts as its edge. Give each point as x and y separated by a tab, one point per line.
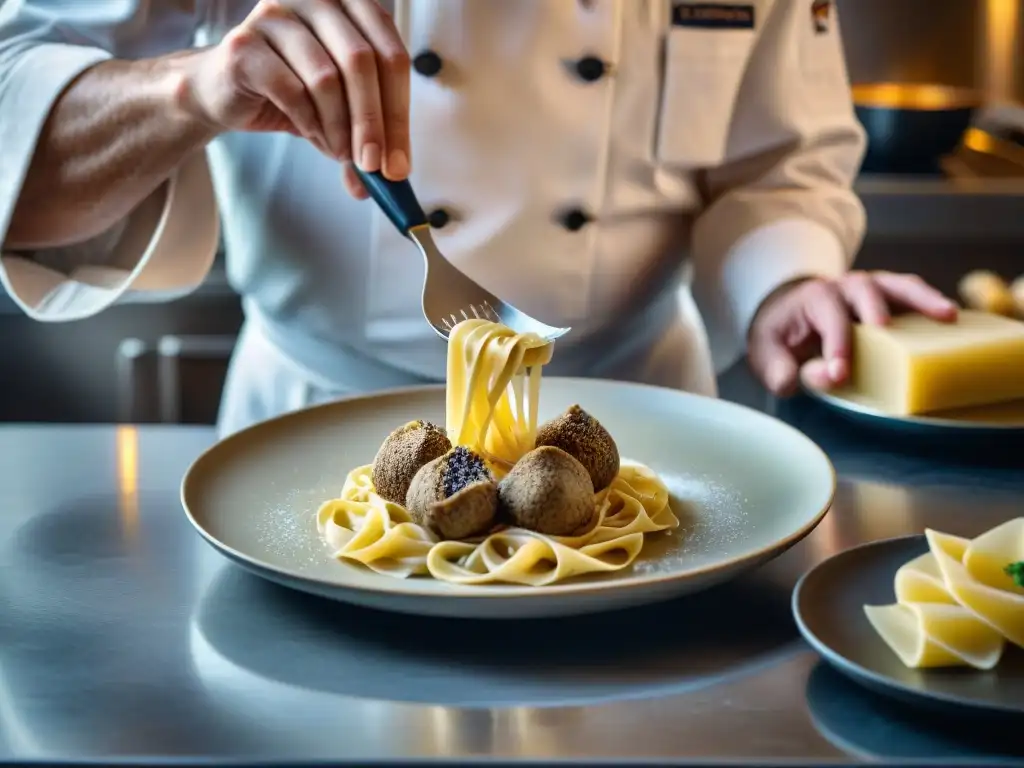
915	365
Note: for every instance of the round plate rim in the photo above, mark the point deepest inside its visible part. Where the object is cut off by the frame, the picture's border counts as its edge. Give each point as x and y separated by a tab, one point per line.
858	672
505	592
934	422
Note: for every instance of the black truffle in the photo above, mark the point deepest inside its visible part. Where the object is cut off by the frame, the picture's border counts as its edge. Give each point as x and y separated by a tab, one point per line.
548	491
454	495
581	436
402	455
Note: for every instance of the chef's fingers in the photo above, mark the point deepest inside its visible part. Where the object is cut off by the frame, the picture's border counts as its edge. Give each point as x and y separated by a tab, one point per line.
352	182
278	122
307	58
865	298
393	67
825	310
255	65
357	61
816	374
773	362
914	293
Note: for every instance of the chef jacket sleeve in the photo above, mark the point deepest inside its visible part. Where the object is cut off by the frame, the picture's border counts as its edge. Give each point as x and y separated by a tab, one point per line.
781	206
163	248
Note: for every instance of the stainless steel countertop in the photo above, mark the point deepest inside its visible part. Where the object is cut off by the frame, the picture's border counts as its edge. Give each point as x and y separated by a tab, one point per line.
124	637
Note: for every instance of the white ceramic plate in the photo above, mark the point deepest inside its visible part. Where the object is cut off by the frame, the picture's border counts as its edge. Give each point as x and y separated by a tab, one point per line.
744	485
1002	419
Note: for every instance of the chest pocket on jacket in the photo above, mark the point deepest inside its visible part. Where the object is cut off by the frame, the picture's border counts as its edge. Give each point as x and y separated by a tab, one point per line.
703	71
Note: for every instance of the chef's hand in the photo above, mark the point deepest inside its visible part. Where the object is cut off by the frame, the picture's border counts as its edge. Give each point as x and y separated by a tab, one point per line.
802	331
333	71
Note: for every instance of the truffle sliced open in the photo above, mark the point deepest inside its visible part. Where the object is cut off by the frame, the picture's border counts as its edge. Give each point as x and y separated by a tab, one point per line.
402	455
584	438
548	491
454	495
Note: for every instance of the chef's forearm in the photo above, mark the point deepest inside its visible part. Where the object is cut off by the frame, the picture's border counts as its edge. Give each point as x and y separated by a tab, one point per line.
115	134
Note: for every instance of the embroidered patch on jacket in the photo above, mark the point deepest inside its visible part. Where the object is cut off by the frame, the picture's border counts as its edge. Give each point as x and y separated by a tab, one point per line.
713	15
821	10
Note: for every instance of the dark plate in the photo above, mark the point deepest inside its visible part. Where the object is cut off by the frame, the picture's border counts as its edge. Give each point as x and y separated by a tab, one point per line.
828	605
1002	420
911	126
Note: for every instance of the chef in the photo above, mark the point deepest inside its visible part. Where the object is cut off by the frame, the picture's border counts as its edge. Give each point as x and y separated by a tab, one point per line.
671	179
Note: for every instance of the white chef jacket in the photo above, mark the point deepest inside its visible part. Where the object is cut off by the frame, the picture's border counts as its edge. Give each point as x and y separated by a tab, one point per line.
717	136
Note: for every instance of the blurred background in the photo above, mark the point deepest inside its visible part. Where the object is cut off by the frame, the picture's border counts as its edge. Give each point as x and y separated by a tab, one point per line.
939	85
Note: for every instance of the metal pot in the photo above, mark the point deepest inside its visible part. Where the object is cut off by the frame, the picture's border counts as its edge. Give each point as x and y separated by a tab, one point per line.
910	127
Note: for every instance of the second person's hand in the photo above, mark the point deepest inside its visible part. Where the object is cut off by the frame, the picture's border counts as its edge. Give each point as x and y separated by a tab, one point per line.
332	71
803	330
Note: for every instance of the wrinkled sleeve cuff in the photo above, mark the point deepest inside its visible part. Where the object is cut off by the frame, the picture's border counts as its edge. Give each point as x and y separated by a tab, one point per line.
167	244
763	260
163	249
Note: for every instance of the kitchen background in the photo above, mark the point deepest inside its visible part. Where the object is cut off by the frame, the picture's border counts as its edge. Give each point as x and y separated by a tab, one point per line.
166	362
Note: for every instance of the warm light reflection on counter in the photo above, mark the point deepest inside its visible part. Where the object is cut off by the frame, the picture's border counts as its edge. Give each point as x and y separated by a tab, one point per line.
458	731
865	511
827	538
534	732
884	511
128	479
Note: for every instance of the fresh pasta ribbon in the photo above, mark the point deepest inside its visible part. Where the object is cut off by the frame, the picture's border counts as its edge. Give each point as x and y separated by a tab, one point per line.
362	527
523	557
492	399
491	403
987	592
956	605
